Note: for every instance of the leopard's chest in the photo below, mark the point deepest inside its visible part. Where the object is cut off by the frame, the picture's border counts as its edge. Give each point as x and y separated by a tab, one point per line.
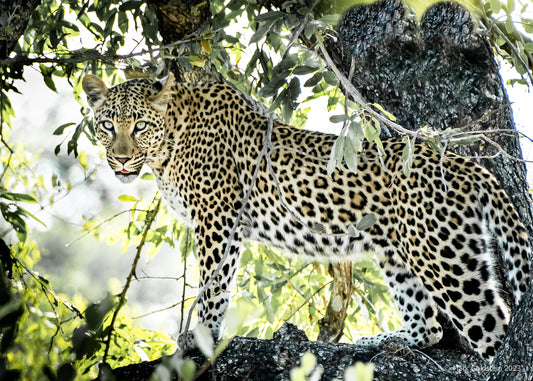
170	191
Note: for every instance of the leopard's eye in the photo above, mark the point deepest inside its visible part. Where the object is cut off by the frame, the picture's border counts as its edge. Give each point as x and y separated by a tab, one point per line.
140	126
107	125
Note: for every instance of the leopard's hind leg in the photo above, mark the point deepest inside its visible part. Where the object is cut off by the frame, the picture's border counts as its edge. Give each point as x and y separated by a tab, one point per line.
420	327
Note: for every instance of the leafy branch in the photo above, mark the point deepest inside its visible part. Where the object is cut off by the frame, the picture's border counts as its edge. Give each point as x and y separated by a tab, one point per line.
151	214
84	55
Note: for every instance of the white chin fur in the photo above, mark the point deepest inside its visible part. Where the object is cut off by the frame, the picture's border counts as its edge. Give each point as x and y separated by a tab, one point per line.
126	178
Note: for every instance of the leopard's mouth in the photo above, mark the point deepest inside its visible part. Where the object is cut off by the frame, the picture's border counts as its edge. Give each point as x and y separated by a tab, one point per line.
126	176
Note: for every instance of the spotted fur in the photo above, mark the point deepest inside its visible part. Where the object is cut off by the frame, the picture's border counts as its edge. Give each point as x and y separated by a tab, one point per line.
435	234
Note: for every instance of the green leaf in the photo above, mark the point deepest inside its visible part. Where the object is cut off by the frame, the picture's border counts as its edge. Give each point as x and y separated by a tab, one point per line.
318	228
123	23
293	90
188	370
510	6
366	222
21	197
509	25
338	118
495	6
303	70
59	130
336	154
31	216
332	19
407	155
147	176
331	78
310	29
314	80
127	198
350	155
269	16
196	61
527	24
388	114
47	77
129	5
359	372
260	33
308	362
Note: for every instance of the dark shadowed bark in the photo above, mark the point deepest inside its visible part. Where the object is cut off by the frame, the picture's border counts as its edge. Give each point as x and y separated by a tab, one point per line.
178	20
439	74
515	357
266	360
443	75
17	14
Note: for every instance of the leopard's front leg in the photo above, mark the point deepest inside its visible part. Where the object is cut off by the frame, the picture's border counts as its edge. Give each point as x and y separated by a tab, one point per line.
212	237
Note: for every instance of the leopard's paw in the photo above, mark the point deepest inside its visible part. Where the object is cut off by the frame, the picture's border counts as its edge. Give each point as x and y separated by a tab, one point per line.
186	341
200	338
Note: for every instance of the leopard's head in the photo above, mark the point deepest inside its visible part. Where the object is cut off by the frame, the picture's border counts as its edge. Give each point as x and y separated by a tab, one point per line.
129	120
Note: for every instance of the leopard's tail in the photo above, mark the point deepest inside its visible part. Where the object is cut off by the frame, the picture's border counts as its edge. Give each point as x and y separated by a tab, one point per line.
510	237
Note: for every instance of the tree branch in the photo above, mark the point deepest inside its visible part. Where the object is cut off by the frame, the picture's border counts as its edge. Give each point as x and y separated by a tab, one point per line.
84	55
122	297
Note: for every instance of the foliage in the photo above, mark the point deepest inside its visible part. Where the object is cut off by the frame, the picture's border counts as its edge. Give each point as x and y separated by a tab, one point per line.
75	335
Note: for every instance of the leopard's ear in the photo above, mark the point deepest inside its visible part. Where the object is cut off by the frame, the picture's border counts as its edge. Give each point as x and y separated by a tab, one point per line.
160	100
95	89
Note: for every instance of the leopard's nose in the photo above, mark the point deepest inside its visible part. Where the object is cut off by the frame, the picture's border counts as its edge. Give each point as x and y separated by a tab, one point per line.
123	160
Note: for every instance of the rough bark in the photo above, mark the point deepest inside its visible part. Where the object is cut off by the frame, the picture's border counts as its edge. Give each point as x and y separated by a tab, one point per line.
331	326
515	357
178	20
265	360
438	74
443	75
17	14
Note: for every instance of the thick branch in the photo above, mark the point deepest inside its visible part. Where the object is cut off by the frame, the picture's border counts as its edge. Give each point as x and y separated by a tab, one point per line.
332	324
265	360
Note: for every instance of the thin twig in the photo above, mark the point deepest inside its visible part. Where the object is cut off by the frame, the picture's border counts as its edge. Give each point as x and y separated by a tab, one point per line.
307	301
101	224
513	48
295	35
441	164
181	302
187	239
122	296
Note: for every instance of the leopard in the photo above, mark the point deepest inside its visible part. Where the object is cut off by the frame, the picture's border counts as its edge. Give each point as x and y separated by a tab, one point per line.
441	233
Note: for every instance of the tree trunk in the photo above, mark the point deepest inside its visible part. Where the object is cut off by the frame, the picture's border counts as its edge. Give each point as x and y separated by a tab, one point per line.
442	75
331	326
17	14
439	74
178	20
